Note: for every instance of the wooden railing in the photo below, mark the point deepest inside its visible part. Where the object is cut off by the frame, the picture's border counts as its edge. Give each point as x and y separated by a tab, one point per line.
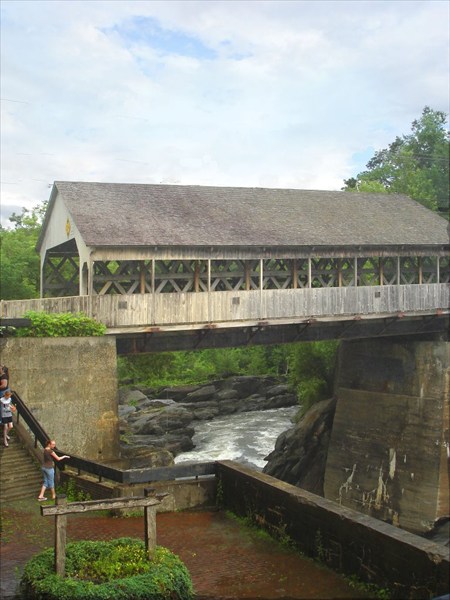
231	307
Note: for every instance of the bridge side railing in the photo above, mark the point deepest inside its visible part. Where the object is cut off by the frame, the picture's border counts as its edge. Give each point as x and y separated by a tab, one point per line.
103	471
185	309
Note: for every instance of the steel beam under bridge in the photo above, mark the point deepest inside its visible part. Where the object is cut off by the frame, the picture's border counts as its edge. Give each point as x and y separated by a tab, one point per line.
226	335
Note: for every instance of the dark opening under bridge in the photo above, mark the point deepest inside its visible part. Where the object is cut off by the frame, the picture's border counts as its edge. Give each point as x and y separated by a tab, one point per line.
182	267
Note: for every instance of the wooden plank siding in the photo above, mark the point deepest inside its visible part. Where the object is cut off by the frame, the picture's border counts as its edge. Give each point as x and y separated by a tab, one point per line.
185	309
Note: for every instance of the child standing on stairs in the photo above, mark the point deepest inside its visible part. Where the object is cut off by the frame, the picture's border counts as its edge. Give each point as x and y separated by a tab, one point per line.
6	413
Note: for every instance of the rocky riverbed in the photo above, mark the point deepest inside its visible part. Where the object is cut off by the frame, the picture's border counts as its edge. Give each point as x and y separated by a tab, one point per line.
157	425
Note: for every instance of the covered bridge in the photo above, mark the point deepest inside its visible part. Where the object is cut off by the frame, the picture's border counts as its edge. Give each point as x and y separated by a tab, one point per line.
147	258
110	238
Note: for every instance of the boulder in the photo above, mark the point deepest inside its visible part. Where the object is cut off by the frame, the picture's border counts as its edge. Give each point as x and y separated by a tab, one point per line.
147	457
201	394
300	453
127	396
177	393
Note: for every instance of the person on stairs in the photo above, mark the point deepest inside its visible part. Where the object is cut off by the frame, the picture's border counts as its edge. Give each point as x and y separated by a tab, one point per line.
6	415
4	380
48	469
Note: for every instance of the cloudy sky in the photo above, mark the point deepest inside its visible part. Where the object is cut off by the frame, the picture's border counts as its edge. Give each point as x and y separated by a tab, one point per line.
247	93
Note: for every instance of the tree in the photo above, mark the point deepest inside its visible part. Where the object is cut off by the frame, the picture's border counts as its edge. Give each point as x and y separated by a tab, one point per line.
19	261
416	164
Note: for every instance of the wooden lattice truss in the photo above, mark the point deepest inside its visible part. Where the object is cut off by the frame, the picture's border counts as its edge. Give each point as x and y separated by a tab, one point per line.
61	274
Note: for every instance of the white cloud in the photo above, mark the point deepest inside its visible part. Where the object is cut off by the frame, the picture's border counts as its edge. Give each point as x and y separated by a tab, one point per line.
271	93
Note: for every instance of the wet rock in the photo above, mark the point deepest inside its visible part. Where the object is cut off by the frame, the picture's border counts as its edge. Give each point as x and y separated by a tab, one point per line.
147	457
125	410
300	453
201	394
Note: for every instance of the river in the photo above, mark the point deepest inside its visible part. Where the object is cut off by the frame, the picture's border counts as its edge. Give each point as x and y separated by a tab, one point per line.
246	437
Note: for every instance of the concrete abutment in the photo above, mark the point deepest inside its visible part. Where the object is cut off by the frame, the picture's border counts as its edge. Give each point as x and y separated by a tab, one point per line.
388	452
70	386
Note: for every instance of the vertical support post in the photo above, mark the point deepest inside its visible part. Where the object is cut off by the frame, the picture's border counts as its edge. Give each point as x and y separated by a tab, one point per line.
355	268
209	316
90	277
41	267
309	273
261	287
438	275
398	271
294	274
60	538
150	523
197	276
339	271
153	292
142	276
247	274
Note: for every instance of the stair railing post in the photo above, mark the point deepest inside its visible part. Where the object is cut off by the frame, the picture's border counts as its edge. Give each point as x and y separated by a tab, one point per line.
150	523
60	537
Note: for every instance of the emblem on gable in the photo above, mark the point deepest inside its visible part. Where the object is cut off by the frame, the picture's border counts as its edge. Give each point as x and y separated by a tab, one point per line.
68	227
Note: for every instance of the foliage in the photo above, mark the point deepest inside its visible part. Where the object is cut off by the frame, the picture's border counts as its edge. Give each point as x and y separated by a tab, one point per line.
19	260
73	493
312	372
117	569
369	588
183	368
60	325
416	164
308	365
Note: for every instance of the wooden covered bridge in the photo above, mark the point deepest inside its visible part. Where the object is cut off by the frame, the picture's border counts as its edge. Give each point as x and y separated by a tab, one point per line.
157	263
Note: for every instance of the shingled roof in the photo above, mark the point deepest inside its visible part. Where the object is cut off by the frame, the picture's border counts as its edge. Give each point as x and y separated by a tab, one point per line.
119	214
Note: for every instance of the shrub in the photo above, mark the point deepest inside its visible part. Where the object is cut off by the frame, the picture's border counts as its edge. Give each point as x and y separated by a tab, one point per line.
60	325
118	569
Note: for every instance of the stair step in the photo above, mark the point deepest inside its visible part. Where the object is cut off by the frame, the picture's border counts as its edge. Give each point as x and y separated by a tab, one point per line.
20	472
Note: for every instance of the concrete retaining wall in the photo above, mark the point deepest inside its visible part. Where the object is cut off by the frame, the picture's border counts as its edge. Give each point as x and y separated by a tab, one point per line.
346	540
70	386
387	455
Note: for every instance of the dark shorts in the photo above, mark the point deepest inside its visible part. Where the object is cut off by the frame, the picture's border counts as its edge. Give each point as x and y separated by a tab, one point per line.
6	420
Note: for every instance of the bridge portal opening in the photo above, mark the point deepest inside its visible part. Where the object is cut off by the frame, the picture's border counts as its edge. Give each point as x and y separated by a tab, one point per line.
61	271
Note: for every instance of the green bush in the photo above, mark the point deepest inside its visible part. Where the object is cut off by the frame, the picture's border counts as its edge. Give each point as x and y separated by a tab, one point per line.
60	325
311	391
118	569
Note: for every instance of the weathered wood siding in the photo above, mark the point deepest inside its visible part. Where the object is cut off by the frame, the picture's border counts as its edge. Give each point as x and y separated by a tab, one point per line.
234	306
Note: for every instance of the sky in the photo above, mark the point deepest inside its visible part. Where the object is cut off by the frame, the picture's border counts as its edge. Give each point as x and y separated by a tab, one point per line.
288	94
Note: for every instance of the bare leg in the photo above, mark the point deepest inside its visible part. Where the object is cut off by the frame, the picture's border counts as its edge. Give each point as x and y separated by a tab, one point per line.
53	493
5	434
42	492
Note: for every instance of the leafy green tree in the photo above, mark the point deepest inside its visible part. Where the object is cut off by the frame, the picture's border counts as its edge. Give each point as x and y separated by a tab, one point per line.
416	164
311	373
19	261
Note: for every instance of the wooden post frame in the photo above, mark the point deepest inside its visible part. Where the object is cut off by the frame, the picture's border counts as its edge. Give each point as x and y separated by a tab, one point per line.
60	535
61	509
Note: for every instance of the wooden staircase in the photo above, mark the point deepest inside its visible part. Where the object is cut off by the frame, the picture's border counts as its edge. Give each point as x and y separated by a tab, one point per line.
20	473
